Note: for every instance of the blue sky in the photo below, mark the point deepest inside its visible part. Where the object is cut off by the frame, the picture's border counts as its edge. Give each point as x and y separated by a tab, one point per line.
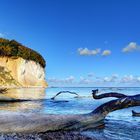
85	42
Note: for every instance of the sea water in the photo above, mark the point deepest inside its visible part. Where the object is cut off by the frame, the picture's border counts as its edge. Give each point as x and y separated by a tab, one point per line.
119	125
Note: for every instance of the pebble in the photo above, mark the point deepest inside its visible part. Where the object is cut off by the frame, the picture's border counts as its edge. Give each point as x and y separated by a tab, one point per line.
45	136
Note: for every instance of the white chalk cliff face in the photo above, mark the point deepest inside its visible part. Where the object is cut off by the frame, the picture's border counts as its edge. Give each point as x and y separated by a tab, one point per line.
21	72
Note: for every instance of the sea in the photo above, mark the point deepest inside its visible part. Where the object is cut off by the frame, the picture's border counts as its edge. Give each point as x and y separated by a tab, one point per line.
119	125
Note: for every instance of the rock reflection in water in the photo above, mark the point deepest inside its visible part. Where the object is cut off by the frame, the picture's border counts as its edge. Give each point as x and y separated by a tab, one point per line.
34	94
24	93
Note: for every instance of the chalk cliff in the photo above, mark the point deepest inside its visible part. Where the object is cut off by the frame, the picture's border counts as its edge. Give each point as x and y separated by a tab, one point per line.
21	72
16	70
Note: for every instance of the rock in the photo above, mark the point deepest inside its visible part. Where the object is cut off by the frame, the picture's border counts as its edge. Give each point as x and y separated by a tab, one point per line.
21	72
2	138
20	66
46	136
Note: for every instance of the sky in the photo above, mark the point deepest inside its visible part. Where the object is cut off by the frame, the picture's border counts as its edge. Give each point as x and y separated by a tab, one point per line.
86	43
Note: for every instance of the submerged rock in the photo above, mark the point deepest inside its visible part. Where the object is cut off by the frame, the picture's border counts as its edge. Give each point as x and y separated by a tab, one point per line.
20	66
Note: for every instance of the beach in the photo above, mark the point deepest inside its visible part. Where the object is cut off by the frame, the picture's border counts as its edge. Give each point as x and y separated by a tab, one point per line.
122	121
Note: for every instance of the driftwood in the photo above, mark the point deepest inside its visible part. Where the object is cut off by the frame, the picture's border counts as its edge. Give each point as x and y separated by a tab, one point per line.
105	95
134	113
36	122
64	92
112	94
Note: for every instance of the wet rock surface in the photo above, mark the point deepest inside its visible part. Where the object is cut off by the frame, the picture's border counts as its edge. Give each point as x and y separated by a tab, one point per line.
45	136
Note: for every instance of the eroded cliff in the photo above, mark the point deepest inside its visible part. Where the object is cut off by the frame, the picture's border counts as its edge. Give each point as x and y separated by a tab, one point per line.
21	72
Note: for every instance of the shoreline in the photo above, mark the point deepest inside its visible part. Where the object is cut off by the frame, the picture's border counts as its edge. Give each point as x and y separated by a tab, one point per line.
16	87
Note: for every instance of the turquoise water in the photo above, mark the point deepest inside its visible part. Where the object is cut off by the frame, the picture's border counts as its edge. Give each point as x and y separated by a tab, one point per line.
120	125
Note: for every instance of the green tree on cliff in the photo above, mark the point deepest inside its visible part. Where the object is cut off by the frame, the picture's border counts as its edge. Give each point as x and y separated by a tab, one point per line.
12	48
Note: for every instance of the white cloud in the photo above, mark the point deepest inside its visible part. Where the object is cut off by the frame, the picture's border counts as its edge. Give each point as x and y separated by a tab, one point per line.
106	79
106	52
86	51
90	75
112	78
127	78
132	46
70	79
98	81
85	80
67	80
138	79
53	80
124	79
1	35
130	79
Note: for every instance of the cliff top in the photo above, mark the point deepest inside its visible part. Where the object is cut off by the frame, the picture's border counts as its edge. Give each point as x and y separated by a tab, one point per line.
12	48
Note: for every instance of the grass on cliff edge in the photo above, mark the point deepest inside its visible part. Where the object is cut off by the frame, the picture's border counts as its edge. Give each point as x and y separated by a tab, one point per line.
12	48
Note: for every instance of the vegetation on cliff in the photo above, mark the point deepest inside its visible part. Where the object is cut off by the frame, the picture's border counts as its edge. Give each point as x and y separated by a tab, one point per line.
12	48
